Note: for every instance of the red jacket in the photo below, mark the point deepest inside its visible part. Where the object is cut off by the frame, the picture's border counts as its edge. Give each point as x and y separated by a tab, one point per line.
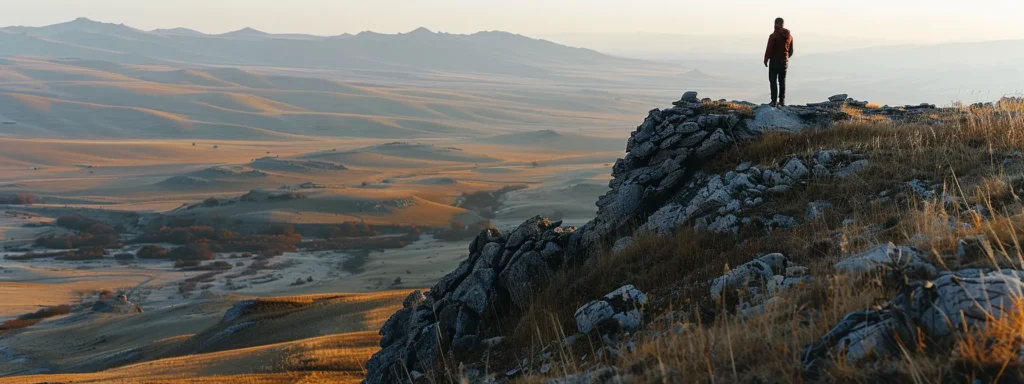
780	46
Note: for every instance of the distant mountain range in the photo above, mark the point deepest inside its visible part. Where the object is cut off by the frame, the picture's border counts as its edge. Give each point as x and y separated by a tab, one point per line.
498	53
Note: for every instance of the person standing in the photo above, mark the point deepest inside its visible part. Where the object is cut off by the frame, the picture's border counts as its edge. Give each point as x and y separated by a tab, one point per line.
776	58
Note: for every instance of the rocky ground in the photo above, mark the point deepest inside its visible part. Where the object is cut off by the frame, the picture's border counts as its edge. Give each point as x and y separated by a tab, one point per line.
867	242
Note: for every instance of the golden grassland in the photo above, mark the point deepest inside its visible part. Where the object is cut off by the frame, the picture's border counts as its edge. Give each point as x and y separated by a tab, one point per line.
323	338
965	151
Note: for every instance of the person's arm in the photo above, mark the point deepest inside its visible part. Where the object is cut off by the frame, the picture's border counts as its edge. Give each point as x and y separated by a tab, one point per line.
790	46
768	51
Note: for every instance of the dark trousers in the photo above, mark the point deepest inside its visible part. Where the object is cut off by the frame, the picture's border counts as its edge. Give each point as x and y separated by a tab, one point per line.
777	78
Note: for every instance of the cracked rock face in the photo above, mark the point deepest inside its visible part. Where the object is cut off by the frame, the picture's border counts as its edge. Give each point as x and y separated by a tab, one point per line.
499	279
718	202
658	177
939	310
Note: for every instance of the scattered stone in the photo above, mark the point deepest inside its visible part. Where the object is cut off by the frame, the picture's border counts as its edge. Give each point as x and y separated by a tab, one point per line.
755	282
889	258
620	310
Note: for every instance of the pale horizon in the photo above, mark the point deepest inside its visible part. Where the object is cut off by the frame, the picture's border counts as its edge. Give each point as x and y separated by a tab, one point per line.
903	22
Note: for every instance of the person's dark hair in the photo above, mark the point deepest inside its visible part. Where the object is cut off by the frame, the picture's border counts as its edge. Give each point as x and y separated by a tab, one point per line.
778	20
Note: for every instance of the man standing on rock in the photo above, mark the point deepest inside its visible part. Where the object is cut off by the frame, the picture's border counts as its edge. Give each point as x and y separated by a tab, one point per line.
780	49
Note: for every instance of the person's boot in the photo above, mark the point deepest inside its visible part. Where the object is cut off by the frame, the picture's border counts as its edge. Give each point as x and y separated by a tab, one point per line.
773	104
782	102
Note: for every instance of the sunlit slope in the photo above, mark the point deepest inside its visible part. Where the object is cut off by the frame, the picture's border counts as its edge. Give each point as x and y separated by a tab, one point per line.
311	338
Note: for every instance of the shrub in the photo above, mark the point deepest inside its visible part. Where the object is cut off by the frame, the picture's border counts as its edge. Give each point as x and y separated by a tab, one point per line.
69	241
349	229
87	253
19	199
281	229
193	265
194	251
152	252
83	224
30	319
186	263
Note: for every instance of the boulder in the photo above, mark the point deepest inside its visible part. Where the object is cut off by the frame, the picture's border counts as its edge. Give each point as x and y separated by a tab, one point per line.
774	119
524	276
476	290
620	310
621	244
839	98
936	311
752	277
888	258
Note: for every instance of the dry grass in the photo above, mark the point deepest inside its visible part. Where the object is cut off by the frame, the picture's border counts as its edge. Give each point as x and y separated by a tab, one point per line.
965	152
722	107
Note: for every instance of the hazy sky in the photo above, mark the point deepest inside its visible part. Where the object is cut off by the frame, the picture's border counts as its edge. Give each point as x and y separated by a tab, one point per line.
905	20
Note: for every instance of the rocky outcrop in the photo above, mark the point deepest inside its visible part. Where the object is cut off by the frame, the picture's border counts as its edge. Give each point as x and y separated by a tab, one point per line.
659	185
720	203
661	169
498	280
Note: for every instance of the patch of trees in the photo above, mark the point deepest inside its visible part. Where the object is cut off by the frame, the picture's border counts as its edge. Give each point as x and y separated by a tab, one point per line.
84	253
152	252
36	255
364	243
90	233
19	199
194	251
350	229
277	240
30	319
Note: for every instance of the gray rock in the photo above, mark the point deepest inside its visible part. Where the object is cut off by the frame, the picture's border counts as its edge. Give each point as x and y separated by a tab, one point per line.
839	97
524	276
490	256
751	275
591	314
714	143
773	119
888	257
414	299
852	169
795	169
622	244
690	97
475	291
620	310
937	310
664	221
395	328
